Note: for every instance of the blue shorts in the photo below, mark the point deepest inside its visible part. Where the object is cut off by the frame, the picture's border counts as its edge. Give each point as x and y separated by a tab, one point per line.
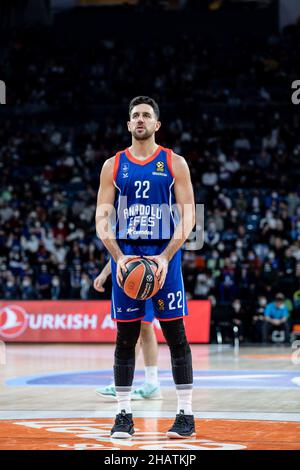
168	303
149	312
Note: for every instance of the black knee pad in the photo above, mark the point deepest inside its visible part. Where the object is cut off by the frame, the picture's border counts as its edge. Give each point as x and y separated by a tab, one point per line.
174	333
127	336
181	357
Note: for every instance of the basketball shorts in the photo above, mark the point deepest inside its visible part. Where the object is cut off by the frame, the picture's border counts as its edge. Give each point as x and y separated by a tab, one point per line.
168	303
149	312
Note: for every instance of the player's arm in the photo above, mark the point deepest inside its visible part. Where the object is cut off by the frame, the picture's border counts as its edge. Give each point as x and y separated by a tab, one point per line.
184	195
105	210
102	277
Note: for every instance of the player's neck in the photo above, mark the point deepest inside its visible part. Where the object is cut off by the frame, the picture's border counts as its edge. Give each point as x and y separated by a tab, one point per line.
142	149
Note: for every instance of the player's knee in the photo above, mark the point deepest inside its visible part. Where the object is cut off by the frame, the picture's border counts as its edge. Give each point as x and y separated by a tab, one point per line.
174	333
147	332
127	338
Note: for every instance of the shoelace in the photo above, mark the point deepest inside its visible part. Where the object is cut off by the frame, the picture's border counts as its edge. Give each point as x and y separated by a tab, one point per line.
122	419
180	419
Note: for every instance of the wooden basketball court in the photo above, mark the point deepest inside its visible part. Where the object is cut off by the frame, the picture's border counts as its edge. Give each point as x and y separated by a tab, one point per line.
243	400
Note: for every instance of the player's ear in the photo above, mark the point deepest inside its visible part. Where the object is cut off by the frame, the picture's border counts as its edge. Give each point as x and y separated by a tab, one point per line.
158	124
128	126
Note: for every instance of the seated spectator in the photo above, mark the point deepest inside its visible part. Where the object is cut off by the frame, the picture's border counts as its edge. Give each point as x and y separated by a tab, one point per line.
239	318
276	318
258	319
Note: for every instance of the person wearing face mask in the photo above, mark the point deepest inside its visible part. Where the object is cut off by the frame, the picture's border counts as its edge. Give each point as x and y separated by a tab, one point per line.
28	292
11	290
239	318
258	319
55	288
276	318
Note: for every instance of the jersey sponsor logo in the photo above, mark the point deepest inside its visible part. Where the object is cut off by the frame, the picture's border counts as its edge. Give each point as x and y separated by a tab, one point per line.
13	321
131	309
159	174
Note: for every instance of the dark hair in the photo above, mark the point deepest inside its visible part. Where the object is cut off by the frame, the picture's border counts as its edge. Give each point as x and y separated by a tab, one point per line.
144	100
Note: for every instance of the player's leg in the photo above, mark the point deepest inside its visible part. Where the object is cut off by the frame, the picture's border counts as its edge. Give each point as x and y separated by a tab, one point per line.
150	352
182	370
124	365
128	314
147	342
170	308
150	389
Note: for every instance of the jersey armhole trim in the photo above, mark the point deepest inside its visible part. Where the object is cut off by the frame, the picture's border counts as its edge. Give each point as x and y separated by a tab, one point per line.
116	166
169	162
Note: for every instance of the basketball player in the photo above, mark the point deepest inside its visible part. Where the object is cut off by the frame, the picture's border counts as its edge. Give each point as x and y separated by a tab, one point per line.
138	186
150	389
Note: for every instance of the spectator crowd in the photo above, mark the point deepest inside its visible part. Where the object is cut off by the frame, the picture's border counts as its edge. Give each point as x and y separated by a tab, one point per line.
245	170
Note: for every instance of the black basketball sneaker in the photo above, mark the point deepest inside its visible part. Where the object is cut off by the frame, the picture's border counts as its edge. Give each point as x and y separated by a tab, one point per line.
183	427
123	427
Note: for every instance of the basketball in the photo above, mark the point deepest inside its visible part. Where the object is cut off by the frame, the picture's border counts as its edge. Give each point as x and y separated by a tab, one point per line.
140	282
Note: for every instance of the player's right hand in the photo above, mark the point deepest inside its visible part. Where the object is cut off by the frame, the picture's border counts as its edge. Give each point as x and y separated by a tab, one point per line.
121	267
99	282
162	267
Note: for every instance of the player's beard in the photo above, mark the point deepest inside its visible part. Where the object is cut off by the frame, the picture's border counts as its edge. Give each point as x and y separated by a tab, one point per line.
143	136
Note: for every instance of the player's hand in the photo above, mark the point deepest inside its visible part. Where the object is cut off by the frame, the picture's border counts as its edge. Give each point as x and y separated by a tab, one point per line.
121	267
162	268
99	282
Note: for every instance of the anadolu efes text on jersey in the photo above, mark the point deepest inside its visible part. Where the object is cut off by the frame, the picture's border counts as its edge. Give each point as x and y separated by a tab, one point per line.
145	196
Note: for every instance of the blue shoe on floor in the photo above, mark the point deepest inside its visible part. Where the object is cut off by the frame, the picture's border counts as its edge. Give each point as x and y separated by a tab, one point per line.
108	391
147	392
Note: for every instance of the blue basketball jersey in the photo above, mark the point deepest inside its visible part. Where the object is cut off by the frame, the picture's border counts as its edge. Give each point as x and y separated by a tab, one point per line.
144	197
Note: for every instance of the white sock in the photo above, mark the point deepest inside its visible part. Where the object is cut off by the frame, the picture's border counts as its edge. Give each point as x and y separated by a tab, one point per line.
151	375
184	397
124	402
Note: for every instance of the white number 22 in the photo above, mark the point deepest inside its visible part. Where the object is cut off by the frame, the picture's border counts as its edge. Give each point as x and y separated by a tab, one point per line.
171	296
139	184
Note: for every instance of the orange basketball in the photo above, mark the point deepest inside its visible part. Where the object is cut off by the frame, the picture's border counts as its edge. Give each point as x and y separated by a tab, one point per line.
140	282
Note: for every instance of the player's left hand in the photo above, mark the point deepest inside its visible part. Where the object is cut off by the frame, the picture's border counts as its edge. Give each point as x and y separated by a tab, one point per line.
99	282
162	268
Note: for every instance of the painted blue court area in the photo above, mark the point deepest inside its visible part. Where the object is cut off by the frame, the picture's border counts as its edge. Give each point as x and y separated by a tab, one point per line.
242	379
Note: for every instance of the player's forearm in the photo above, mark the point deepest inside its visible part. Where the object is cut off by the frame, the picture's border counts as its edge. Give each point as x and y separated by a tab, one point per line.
108	238
180	235
106	271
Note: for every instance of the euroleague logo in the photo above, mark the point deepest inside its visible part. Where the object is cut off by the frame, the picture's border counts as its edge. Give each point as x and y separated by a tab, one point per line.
13	321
